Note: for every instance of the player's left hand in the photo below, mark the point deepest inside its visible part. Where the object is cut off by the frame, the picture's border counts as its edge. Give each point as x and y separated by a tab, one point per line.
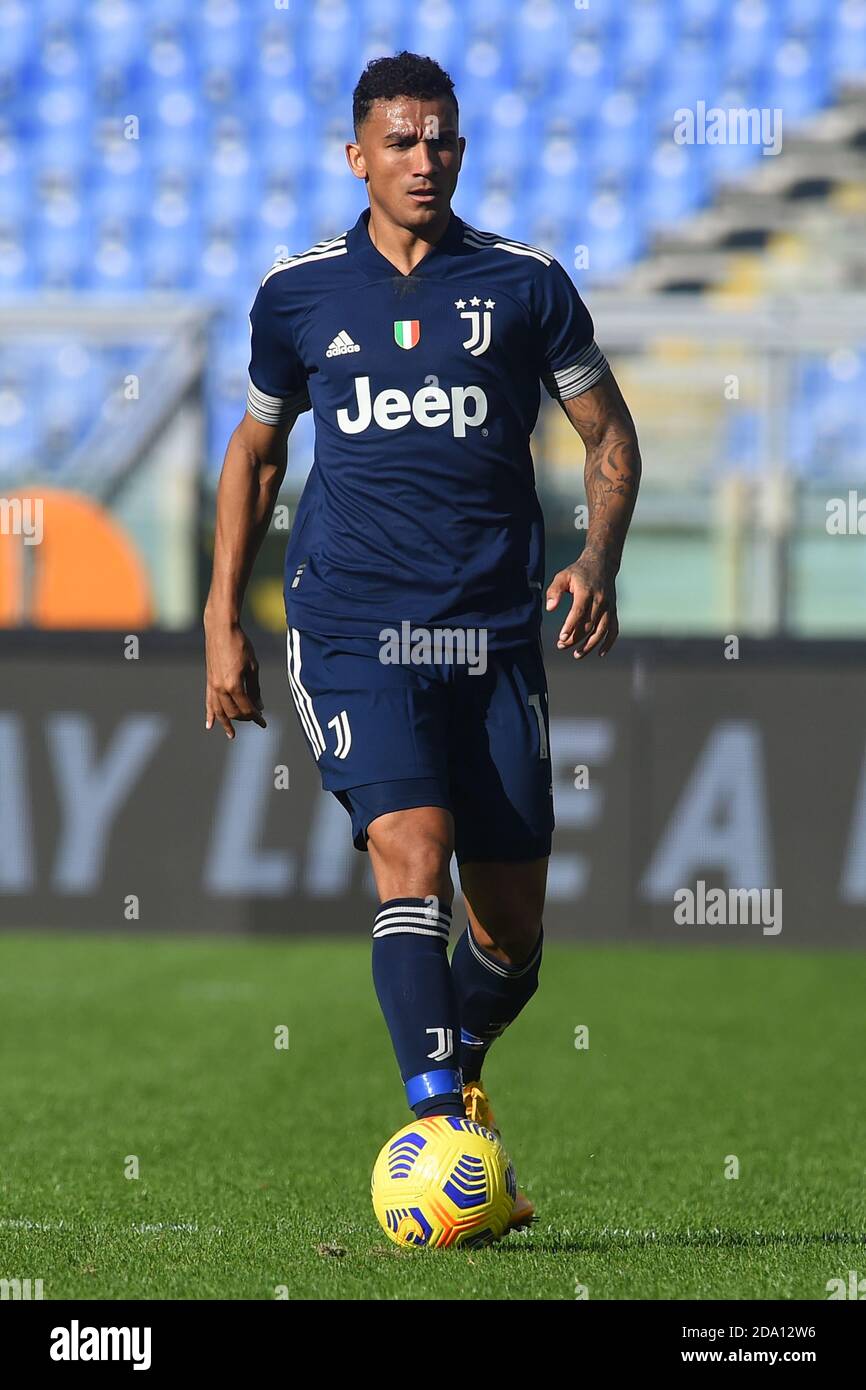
592	621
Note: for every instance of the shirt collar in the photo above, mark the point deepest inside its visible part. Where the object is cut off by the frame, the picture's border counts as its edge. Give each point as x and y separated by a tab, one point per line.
361	248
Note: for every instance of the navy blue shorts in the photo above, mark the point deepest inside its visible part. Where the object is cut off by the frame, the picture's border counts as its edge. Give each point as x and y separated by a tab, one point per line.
387	737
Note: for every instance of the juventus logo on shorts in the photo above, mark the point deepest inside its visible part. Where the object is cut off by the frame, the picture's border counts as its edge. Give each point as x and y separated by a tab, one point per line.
479	338
340	723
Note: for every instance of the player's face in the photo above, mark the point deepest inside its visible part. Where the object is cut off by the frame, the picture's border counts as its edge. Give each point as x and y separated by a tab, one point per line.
409	151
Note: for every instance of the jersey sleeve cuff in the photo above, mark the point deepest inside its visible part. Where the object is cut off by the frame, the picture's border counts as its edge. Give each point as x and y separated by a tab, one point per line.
275	410
580	375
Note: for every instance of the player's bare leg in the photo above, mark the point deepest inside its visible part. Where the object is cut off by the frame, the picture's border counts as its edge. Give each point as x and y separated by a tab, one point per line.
505	903
410	852
495	968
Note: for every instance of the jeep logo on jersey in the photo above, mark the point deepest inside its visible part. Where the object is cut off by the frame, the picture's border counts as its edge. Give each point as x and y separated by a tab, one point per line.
407	333
430	406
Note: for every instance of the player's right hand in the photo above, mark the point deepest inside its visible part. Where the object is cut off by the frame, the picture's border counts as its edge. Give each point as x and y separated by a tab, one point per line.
232	678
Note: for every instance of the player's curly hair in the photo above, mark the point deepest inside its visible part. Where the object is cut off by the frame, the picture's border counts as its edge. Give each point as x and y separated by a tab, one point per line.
405	75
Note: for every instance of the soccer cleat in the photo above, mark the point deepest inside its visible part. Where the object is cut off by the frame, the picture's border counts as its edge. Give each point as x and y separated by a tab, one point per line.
479	1109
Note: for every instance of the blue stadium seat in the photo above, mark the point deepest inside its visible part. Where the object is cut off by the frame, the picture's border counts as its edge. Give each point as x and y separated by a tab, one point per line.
60	254
19	36
218	261
648	35
847	46
613	235
797	82
538	35
113	37
113	263
704	16
18	268
673	183
168	262
810	16
17	184
754	30
111	194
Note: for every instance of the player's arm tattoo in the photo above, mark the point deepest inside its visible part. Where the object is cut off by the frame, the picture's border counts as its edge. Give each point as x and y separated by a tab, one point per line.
613	466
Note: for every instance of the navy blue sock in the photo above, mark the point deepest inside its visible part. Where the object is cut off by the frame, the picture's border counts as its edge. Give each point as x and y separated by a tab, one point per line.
417	996
490	995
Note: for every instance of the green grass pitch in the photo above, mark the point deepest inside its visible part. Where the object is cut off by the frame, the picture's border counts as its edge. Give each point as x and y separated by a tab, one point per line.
254	1163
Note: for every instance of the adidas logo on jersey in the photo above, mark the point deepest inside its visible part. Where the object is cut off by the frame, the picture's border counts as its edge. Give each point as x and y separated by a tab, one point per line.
341	345
430	406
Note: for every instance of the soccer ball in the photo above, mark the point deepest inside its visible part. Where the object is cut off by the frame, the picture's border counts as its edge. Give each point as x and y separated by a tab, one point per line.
443	1181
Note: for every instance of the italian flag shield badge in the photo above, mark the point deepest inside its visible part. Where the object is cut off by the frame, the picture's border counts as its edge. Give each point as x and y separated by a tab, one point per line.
407	332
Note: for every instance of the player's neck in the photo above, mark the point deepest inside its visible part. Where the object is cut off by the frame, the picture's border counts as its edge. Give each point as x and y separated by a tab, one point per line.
402	246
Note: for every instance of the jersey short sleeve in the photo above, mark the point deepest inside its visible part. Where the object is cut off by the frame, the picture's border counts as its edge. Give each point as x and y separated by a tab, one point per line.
278	379
571	361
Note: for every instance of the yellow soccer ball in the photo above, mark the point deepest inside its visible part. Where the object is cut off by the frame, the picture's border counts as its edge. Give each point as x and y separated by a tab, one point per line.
443	1181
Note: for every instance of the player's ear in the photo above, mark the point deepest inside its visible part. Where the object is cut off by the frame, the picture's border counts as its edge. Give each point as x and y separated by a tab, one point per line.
355	160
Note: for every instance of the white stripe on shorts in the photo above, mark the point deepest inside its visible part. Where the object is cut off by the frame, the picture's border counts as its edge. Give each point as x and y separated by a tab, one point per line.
301	697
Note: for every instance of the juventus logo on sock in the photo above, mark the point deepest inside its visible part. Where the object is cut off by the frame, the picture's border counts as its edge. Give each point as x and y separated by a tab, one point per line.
444	1044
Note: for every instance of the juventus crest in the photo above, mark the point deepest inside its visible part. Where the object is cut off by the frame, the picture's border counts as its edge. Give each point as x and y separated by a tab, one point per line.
479	319
444	1043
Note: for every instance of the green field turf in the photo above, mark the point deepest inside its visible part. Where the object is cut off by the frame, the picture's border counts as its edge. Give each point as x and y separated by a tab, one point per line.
255	1163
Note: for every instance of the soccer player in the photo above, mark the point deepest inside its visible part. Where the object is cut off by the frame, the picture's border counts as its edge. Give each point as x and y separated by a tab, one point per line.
415	568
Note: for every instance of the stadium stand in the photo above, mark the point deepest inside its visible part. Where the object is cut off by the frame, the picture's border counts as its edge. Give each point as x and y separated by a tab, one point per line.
151	148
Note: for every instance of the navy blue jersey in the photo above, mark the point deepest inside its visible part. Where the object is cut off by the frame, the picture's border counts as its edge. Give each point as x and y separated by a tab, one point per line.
421	503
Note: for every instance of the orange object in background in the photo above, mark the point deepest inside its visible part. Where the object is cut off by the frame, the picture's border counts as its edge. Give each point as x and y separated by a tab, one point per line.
66	563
